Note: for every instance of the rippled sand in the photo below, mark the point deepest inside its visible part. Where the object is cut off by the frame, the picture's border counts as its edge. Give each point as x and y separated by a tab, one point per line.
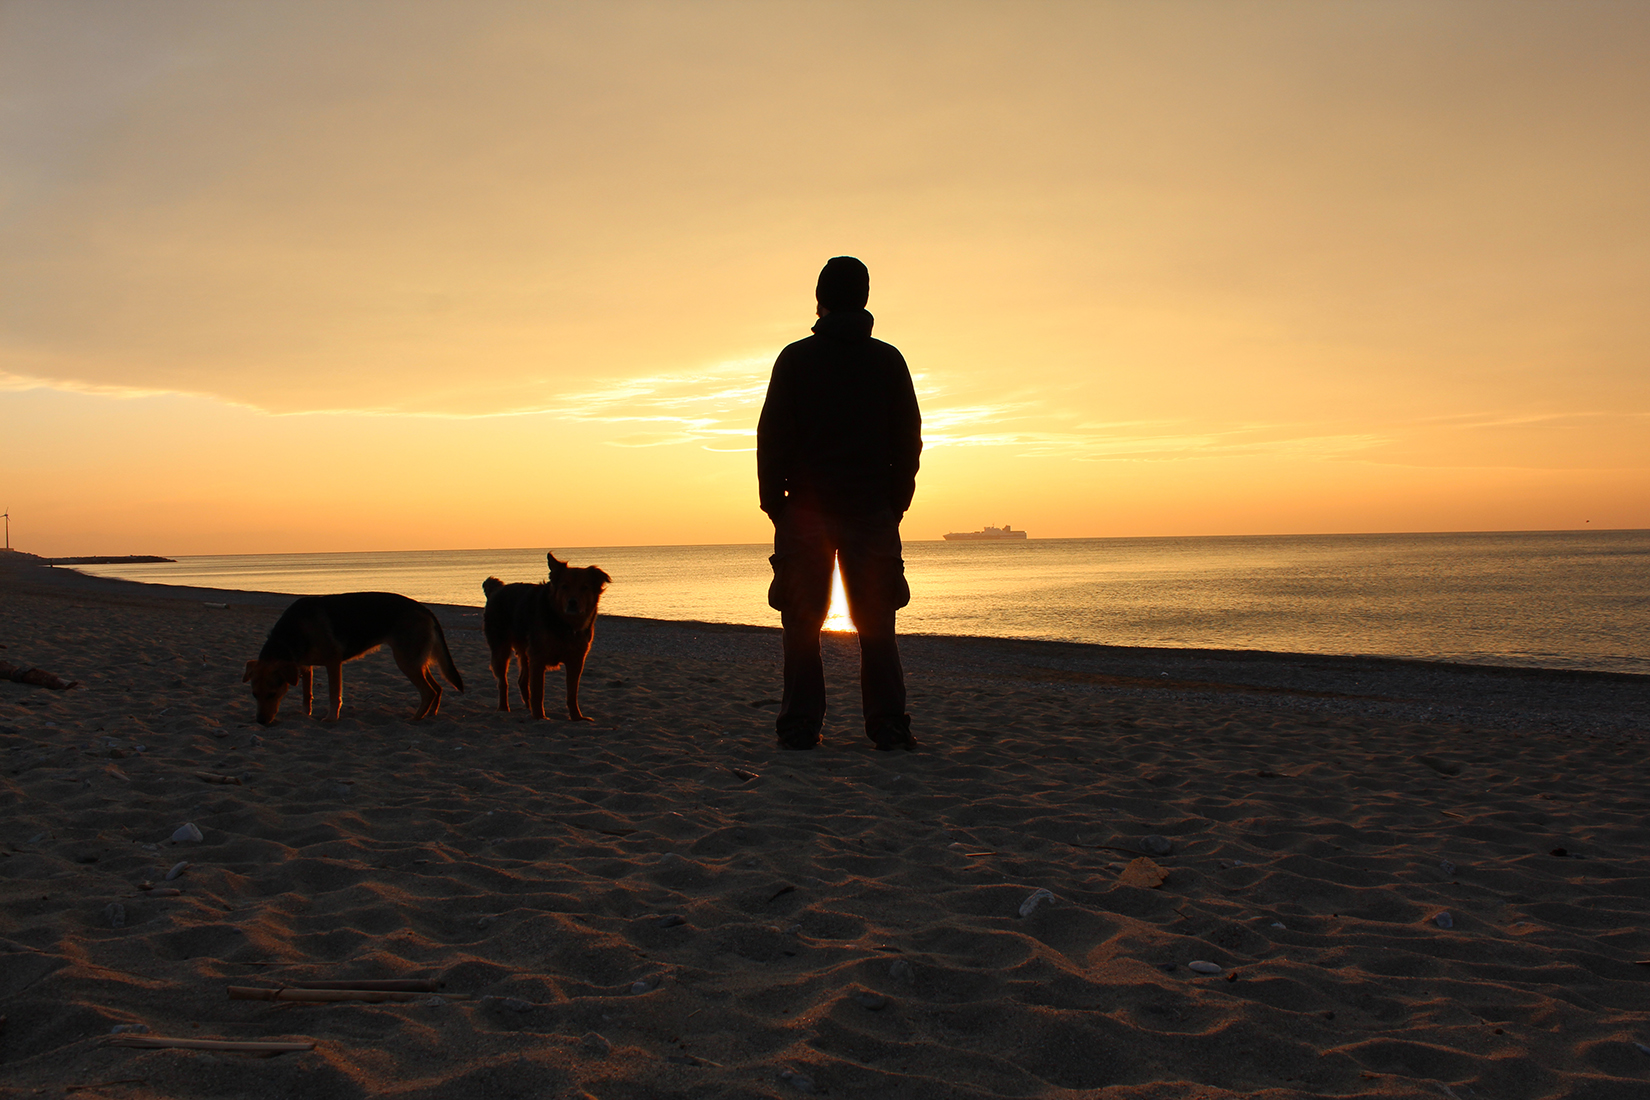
849	920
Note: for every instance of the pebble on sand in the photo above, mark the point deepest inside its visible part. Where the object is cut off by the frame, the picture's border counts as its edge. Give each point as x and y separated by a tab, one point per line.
596	1043
188	833
178	868
801	1082
1156	845
115	914
901	970
1444	920
1037	898
514	1004
871	1002
1201	966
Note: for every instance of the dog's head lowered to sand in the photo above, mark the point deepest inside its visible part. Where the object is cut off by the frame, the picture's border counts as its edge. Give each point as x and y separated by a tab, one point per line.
270	681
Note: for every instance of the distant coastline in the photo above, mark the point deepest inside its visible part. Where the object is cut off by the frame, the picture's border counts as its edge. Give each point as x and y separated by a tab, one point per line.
116	559
95	559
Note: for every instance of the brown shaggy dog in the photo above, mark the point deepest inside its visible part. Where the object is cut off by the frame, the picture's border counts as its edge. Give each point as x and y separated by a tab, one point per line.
329	630
544	625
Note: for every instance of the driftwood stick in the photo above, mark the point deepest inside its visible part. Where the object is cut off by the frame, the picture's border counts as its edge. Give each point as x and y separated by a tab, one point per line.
35	676
156	1042
388	985
372	996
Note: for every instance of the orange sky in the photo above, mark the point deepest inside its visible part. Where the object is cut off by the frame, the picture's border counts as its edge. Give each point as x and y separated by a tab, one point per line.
337	276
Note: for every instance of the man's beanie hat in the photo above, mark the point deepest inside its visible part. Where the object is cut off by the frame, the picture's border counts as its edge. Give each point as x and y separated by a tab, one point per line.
844	283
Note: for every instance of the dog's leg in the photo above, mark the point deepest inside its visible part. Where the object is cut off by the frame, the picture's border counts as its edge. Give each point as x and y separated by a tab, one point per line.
306	677
575	669
535	682
335	689
500	665
523	664
419	674
435	686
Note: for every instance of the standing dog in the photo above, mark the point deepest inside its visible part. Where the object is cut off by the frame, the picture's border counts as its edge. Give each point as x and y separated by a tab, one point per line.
544	625
329	630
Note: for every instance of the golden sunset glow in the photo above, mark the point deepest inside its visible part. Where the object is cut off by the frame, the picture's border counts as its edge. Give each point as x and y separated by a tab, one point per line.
295	277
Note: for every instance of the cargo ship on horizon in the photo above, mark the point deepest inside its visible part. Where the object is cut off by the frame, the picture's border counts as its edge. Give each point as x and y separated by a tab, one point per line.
990	534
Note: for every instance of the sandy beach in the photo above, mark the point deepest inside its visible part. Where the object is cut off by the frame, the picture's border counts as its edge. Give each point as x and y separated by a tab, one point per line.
663	904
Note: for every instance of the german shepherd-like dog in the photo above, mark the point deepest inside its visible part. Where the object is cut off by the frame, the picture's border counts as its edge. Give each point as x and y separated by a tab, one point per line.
329	630
544	625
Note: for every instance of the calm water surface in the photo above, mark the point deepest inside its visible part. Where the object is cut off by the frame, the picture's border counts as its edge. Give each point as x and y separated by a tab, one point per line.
1556	600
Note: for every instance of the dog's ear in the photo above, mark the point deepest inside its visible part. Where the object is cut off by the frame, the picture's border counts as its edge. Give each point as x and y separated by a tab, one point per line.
251	667
604	578
557	566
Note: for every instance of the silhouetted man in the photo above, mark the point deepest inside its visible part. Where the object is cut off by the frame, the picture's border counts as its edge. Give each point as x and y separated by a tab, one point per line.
836	458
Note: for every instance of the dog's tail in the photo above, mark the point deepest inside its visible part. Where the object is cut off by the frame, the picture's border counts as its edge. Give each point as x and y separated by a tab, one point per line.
491	585
444	658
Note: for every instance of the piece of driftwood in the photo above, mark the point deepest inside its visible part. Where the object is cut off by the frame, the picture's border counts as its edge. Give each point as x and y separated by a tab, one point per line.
160	1042
388	985
371	996
35	676
107	1084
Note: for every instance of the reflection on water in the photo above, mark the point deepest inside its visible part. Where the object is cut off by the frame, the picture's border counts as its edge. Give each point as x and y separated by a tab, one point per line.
837	617
1562	599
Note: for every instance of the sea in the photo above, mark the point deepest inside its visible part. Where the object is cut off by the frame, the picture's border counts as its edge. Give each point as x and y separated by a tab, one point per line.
1560	599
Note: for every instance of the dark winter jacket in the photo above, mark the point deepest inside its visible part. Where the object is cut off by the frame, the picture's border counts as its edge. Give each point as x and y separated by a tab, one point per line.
840	426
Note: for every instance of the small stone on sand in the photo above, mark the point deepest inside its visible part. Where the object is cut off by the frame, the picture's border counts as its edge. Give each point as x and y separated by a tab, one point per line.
1199	966
115	914
1155	845
1038	898
596	1043
871	1002
188	833
801	1082
1444	920
178	868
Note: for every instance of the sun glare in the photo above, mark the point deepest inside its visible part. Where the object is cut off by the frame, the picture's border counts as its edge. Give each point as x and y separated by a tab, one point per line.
837	618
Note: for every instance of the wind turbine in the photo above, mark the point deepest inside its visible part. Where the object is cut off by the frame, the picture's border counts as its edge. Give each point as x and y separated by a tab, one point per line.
8	528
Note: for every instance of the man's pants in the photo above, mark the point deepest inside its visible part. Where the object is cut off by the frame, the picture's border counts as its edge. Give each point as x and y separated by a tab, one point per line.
805	540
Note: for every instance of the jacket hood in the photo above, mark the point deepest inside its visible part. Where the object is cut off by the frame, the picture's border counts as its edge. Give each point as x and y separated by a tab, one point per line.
845	324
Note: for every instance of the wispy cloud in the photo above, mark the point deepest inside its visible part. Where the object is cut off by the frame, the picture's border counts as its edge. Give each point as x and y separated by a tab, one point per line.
715	407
